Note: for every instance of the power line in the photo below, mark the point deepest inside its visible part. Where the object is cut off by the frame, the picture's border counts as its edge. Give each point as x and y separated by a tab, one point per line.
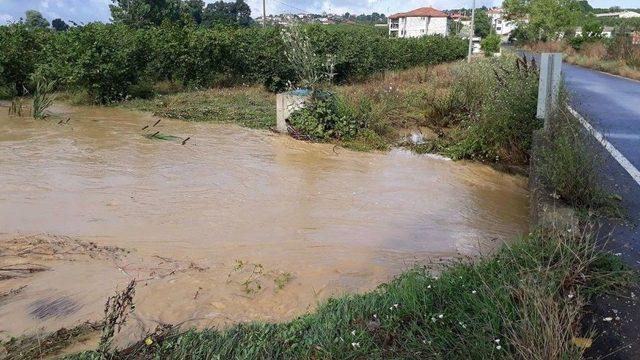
293	7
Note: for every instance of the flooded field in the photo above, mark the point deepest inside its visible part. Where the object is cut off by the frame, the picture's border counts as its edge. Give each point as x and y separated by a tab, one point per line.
235	225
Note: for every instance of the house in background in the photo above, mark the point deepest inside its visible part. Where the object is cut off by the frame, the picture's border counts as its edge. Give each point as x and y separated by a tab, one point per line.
500	24
620	15
419	22
460	24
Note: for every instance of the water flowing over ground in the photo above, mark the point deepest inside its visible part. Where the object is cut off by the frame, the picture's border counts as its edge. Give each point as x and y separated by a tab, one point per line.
235	225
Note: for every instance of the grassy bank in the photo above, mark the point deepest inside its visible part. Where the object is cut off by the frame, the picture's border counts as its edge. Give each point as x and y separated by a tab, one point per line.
250	106
569	166
616	56
483	111
525	301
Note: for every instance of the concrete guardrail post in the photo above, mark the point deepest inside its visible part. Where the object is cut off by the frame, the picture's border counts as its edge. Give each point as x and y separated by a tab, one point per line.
286	104
549	88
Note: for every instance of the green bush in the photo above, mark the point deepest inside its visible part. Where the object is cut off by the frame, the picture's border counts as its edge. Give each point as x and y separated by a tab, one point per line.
20	52
324	118
569	167
576	42
491	44
104	60
109	61
501	116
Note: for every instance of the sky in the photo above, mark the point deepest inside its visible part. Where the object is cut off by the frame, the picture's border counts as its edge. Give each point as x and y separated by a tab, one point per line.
83	11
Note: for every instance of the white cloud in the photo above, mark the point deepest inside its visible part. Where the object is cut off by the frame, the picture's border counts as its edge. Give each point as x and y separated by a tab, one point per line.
6	19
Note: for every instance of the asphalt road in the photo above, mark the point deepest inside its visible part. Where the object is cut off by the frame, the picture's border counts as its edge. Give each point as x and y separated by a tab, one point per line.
611	105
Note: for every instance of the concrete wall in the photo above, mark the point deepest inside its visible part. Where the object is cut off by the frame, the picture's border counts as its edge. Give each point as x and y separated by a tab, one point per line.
438	26
286	104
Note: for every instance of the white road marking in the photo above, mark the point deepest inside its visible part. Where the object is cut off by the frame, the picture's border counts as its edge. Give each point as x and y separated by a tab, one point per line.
623	161
623	136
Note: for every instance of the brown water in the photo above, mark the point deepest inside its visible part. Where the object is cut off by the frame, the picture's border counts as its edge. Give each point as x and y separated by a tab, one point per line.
316	220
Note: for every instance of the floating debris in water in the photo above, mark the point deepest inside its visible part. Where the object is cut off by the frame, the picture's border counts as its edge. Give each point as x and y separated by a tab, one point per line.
160	136
417	138
57	307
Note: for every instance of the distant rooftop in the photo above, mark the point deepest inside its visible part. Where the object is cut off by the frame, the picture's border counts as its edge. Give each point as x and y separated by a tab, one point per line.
421	12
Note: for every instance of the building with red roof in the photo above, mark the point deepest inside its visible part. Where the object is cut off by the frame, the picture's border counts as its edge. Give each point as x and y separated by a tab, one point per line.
419	22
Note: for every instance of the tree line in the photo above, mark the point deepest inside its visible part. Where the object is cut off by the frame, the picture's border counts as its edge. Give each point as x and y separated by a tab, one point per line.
556	19
145	13
112	62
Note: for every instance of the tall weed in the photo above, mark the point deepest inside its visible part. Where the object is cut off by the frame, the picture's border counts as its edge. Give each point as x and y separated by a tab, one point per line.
570	167
42	98
501	100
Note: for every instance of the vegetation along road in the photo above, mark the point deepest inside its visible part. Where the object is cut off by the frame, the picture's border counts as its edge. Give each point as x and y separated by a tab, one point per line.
607	105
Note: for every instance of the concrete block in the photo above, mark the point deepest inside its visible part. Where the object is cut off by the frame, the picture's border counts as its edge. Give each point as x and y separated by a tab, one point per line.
286	104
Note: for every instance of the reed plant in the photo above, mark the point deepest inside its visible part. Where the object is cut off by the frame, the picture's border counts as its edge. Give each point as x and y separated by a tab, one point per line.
43	98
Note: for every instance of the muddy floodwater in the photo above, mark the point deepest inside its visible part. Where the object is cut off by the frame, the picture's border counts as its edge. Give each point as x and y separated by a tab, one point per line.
235	225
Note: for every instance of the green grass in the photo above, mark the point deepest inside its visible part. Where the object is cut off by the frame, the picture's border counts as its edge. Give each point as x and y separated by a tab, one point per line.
524	301
251	107
38	346
569	166
483	111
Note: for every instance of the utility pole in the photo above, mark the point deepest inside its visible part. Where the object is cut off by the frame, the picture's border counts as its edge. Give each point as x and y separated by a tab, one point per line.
264	13
472	31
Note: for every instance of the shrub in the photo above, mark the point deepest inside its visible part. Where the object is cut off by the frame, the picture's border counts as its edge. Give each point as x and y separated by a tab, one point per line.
324	118
108	61
501	118
568	166
20	52
576	42
491	44
622	48
104	60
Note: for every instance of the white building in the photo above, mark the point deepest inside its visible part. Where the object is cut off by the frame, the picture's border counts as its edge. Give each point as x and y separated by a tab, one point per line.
419	22
621	14
499	23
